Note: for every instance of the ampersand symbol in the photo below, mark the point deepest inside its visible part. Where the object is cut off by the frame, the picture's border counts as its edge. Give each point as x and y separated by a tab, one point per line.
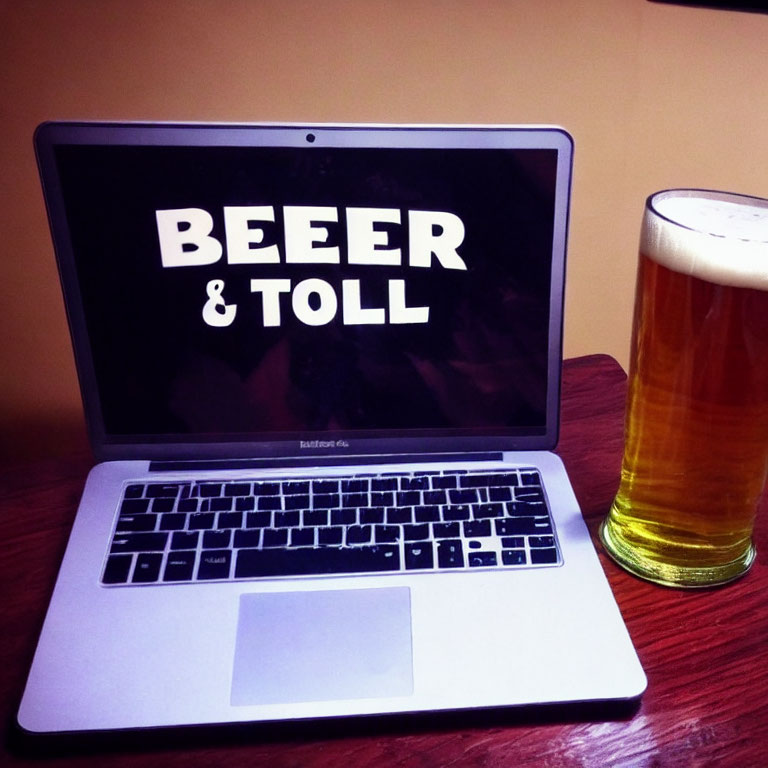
215	311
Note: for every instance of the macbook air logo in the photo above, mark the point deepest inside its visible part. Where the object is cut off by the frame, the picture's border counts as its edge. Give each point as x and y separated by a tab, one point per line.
306	445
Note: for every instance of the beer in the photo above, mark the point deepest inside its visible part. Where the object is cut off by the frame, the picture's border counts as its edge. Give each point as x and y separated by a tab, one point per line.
696	431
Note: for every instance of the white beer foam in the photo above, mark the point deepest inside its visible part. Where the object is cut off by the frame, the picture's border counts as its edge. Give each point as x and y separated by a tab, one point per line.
714	236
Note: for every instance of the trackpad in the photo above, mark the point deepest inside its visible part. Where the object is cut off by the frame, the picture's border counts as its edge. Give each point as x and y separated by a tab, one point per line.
321	646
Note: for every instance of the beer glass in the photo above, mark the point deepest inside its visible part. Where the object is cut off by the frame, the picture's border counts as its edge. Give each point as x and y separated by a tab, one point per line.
696	430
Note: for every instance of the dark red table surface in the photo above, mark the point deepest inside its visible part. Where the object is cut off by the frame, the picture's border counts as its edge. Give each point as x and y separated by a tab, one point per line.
705	651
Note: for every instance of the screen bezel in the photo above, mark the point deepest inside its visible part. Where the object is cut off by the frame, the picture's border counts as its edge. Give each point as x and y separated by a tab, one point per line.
115	447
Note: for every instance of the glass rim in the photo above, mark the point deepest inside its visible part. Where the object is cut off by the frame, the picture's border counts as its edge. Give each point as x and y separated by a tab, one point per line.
706	194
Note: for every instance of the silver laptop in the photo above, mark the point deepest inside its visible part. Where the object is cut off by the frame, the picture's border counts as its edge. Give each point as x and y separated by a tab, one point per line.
320	367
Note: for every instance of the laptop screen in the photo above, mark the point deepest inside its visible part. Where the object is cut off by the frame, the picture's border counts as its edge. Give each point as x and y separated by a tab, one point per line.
309	288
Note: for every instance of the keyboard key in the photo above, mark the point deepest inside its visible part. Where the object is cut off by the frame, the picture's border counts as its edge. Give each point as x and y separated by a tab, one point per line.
266	489
317	517
184	540
541	541
532	508
435	497
416	532
417	483
529	495
147	568
275	537
258	519
477	528
513	542
487	480
134	506
500	494
384	484
333	535
156	490
359	534
293	562
296	502
187	505
270	502
354	500
358	485
419	556
399	516
326	501
245	503
163	505
489	510
172	522
522	526
325	486
210	490
407	498
450	554
343	516
216	539
296	487
221	504
474	481
384	499
302	537
134	491
237	489
540	556
371	515
463	496
287	519
522	509
117	569
513	556
214	564
460	512
481	559
199	521
446	530
230	520
139	542
427	514
445	481
179	566
386	534
145	522
247	538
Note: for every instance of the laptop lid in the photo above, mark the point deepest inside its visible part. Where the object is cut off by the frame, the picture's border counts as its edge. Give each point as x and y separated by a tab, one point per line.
324	290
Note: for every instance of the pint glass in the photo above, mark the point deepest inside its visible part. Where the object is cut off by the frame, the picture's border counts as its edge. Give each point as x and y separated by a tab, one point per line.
696	430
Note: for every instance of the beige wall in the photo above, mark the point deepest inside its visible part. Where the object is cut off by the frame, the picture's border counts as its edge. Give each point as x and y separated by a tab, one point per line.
655	96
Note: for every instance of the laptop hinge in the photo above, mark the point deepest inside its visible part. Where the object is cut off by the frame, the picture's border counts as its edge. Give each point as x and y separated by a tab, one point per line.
319	461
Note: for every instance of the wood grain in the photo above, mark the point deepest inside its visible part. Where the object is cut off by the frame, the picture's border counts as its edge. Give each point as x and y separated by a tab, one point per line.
705	652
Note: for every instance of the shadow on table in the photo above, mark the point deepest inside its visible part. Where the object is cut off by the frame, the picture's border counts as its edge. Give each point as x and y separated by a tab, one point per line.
23	744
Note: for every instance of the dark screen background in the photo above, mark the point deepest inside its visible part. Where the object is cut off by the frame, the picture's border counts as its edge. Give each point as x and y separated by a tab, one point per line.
478	367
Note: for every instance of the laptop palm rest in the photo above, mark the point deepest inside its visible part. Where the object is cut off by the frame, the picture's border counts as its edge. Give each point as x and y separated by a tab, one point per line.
323	645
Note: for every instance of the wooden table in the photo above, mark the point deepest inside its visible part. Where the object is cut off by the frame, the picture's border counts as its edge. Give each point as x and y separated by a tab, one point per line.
705	652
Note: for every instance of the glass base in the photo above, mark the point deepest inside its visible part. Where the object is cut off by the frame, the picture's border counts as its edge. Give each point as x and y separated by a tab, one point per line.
633	560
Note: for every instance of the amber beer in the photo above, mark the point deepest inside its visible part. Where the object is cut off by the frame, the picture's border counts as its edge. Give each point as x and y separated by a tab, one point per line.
696	432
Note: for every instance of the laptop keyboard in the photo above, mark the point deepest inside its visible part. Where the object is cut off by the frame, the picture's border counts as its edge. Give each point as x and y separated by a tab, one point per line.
393	522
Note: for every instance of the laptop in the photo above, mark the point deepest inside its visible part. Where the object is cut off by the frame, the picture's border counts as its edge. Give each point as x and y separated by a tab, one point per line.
320	367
